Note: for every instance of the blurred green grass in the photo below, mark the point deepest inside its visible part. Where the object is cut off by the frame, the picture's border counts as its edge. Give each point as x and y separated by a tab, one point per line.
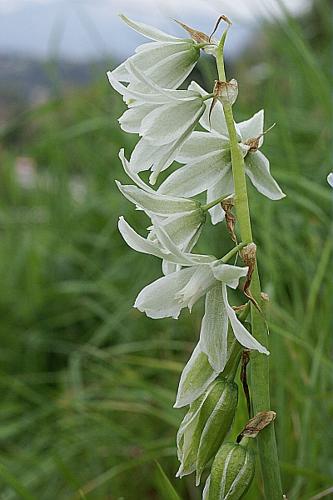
87	382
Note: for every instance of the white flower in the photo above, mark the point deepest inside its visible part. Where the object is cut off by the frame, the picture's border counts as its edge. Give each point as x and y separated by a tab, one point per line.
164	119
196	377
330	179
201	275
181	218
167	60
208	161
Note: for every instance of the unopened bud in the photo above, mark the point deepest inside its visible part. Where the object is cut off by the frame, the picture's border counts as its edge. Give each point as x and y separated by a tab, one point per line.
232	473
205	427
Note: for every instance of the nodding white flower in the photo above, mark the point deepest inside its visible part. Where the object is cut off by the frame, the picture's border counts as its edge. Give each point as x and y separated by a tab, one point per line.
200	275
330	179
164	119
167	60
207	160
181	218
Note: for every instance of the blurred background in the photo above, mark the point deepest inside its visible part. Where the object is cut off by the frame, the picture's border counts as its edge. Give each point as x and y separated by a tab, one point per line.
87	382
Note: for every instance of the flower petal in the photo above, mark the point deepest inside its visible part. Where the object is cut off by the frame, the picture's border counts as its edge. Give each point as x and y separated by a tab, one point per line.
201	281
158	300
121	73
167	123
257	169
252	128
131	120
169	267
222	187
178	256
147	246
167	65
201	143
150	31
139	97
184	229
144	155
133	175
214	329
137	242
230	275
195	378
151	87
157	158
196	177
166	155
330	179
156	203
216	122
240	332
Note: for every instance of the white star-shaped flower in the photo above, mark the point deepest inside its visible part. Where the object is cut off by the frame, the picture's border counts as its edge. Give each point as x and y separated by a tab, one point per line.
167	60
207	160
200	275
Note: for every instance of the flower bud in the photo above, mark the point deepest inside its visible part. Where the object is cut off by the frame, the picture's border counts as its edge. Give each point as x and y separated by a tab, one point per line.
232	473
205	427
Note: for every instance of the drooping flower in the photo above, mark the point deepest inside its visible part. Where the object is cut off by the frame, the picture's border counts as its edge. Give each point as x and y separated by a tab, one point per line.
167	60
207	160
200	275
181	218
164	119
330	179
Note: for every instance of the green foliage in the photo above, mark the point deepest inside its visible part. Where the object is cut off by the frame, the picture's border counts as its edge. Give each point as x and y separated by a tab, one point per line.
87	382
167	491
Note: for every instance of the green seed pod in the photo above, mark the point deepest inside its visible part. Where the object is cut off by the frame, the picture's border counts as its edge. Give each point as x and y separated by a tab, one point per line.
232	473
205	427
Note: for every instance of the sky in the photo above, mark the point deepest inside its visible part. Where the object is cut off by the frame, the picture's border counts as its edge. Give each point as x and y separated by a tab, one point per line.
84	29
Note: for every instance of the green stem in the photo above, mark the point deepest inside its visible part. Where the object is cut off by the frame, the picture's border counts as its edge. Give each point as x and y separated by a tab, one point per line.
208	96
259	362
233	252
212	204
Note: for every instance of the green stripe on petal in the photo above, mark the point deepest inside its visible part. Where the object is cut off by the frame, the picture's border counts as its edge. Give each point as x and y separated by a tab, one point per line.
214	329
167	123
195	378
199	144
197	177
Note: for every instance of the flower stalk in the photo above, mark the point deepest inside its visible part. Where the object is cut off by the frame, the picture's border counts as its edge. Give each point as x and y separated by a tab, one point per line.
216	158
259	364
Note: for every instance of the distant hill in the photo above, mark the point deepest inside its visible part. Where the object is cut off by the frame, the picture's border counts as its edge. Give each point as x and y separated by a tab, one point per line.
26	81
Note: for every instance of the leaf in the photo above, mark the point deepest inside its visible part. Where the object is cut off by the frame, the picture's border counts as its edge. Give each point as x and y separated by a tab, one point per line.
8	478
167	491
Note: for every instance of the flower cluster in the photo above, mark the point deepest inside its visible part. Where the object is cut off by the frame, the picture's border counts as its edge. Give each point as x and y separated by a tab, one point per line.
187	126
